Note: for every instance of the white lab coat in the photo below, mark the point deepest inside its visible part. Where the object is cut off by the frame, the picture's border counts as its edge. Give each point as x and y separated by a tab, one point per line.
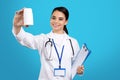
47	66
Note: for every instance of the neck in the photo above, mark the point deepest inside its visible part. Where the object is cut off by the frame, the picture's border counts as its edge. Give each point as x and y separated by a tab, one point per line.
58	32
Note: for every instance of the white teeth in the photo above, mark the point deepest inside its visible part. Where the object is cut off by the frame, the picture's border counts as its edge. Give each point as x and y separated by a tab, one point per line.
55	25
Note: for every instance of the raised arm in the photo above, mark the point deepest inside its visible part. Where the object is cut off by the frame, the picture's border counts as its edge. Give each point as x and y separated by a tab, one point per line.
25	38
18	21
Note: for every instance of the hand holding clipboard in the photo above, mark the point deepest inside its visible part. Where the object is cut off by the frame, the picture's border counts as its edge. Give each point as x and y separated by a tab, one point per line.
80	59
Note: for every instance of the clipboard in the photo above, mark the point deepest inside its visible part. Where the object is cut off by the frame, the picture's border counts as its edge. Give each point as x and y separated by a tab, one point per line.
81	57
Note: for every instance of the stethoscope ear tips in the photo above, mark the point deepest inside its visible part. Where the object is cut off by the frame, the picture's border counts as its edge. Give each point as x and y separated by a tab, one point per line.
49	41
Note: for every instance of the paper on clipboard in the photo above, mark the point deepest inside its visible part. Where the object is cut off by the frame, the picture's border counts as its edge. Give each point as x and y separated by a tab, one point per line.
80	59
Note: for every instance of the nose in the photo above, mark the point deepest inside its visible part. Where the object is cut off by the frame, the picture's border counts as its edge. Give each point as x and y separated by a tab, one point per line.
56	20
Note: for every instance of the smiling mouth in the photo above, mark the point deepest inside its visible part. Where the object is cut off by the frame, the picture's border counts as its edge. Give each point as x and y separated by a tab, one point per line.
55	25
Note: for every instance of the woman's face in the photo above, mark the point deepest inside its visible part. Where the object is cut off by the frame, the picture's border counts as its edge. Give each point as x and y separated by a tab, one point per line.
58	20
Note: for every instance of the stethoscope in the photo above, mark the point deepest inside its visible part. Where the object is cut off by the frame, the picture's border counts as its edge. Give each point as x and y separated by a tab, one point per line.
49	41
48	48
52	43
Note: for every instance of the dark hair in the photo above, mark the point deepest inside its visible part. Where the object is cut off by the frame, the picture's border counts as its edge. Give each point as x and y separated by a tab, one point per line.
66	13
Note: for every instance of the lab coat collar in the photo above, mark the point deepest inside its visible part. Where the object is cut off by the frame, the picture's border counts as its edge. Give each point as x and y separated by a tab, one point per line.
51	35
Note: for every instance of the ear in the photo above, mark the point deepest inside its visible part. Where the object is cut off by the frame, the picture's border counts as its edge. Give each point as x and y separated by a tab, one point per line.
66	22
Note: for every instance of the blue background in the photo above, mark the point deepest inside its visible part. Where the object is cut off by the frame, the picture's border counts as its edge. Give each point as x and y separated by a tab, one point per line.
95	22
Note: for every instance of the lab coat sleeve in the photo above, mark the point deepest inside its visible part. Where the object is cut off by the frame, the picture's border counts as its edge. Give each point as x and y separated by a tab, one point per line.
76	49
29	40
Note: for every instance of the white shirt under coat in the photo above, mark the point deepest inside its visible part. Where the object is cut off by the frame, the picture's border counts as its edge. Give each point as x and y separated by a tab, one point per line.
47	66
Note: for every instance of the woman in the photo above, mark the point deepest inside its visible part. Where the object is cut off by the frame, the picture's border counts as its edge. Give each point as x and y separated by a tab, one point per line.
57	50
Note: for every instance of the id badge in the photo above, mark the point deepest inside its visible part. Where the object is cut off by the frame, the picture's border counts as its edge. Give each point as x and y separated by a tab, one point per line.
61	72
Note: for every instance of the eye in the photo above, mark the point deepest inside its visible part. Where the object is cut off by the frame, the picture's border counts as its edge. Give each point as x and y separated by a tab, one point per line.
53	17
61	19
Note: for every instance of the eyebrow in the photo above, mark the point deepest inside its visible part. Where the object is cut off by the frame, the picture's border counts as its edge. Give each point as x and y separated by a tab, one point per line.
59	17
53	15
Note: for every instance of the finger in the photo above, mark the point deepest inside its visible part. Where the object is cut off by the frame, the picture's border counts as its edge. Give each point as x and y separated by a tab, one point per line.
82	67
80	72
19	12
